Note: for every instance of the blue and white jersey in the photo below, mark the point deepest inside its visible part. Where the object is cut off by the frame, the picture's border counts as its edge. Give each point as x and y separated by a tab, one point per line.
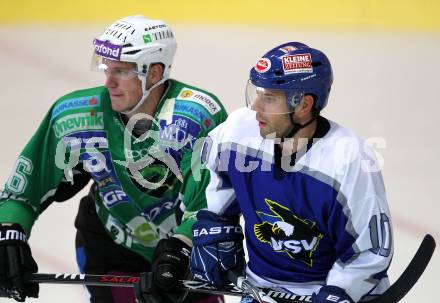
323	220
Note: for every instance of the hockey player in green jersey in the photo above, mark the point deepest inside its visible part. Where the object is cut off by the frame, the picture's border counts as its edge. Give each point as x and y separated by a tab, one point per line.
133	138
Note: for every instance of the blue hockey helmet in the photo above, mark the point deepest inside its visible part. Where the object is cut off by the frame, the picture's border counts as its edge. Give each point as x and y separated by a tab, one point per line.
291	70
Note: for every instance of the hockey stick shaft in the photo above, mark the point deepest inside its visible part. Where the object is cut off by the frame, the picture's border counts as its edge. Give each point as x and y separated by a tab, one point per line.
129	281
411	274
393	295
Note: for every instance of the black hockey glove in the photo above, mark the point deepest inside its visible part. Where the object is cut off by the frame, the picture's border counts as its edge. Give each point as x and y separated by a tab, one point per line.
331	294
16	263
170	264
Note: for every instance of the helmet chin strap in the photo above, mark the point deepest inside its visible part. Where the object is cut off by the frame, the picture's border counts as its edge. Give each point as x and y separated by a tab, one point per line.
296	126
143	98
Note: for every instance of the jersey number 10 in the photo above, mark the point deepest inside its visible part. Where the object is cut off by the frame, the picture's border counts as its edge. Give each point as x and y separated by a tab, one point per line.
381	236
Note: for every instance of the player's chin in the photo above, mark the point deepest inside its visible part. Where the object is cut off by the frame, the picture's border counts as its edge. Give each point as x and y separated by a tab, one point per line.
119	105
265	131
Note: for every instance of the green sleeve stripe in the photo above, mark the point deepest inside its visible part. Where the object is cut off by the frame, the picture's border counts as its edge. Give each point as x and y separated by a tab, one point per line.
17	212
186	228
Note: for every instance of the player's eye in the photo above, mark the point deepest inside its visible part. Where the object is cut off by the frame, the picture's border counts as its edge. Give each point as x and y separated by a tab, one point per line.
122	72
269	98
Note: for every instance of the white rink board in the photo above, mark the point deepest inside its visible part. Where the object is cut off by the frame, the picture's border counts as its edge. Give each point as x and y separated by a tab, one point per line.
386	85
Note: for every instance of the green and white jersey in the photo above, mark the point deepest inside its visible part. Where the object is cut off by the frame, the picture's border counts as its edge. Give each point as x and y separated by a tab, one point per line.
138	180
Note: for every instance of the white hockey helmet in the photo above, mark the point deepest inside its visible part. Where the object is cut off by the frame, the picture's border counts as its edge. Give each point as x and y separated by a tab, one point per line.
141	41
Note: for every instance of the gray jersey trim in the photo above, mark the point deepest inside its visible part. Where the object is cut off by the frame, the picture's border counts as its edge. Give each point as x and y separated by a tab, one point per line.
341	200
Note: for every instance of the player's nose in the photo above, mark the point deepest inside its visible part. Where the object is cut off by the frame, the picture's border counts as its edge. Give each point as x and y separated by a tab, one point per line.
110	81
257	105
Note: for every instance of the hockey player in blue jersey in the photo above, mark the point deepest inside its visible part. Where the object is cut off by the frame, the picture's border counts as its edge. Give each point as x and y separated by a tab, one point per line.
310	191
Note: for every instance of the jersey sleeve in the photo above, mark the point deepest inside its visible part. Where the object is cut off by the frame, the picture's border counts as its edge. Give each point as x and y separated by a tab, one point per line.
38	178
220	195
195	176
363	241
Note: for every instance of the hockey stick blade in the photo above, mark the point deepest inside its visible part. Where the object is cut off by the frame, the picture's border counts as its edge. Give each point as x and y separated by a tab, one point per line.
394	294
411	274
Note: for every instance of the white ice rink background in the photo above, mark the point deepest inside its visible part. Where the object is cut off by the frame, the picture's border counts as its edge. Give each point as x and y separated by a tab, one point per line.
387	85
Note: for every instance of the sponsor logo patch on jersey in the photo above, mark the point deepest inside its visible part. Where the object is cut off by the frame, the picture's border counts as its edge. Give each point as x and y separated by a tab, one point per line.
100	167
176	134
263	65
287	233
294	64
76	103
113	197
156	211
183	131
201	98
77	122
186	93
86	140
207	123
196	113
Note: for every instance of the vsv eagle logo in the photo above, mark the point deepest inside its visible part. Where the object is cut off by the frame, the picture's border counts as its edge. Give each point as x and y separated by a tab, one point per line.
288	233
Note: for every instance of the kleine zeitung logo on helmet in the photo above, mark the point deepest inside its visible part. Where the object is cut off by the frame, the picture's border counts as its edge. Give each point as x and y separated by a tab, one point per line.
263	65
300	63
107	49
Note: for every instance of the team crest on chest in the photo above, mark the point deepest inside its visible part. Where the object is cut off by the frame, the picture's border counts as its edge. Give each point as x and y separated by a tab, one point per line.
287	233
